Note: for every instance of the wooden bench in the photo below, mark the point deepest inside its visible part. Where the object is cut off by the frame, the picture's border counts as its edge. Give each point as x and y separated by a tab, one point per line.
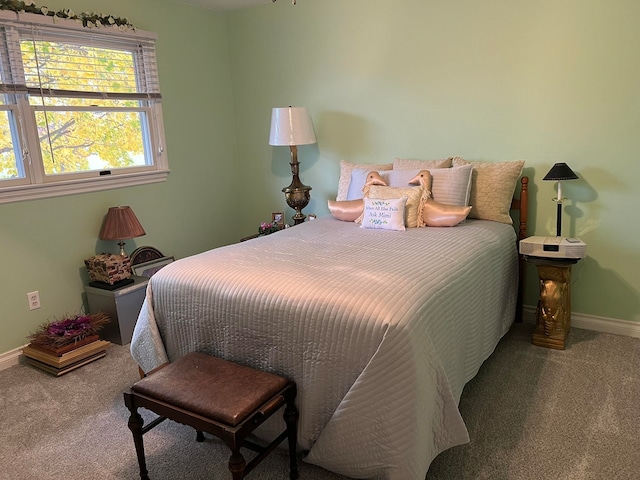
219	397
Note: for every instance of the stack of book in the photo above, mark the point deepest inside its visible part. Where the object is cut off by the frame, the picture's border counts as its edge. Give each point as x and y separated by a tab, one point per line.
61	360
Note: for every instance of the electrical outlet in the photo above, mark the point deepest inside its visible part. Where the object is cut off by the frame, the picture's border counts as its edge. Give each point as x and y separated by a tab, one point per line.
34	300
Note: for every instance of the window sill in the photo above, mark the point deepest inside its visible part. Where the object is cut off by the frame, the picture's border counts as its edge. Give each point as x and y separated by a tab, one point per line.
58	189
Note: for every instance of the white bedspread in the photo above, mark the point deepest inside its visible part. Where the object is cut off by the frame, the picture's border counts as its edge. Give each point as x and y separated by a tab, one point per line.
380	329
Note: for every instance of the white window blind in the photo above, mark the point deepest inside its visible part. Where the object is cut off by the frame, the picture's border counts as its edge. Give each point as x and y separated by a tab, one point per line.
83	105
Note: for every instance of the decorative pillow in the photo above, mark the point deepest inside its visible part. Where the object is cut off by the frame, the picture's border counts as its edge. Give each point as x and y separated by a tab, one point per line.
361	179
451	186
345	175
416	197
346	210
492	189
385	214
436	214
409	164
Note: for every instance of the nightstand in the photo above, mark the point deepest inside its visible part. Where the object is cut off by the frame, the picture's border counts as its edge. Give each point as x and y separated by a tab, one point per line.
553	257
244	239
256	235
553	313
123	307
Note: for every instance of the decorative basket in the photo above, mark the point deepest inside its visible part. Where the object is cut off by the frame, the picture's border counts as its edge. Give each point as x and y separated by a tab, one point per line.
108	268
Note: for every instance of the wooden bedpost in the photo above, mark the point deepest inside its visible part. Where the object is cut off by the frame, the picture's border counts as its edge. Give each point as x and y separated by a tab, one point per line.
522	205
524	208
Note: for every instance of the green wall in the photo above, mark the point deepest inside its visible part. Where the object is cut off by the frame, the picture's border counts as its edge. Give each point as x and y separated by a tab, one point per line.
549	81
44	242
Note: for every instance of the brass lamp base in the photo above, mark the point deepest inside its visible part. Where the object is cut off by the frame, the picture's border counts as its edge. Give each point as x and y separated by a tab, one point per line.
297	197
297	193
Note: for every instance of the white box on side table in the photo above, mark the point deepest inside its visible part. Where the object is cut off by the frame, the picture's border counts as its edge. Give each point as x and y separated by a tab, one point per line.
123	307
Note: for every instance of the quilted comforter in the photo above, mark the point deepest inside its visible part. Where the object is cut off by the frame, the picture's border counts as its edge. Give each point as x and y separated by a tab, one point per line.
380	329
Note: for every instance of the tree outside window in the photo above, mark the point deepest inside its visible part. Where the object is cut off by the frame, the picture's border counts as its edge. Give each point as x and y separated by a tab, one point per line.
76	105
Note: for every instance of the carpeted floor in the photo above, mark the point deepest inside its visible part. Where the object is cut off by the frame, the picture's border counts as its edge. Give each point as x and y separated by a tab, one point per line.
532	413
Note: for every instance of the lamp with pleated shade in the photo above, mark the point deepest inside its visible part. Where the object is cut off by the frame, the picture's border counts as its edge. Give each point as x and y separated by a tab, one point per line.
121	224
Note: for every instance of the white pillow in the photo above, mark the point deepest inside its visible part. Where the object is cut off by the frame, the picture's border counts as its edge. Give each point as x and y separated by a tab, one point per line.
384	214
450	186
345	176
416	198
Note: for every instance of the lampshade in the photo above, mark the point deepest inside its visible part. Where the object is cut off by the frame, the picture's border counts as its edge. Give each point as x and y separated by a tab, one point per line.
120	224
291	126
560	171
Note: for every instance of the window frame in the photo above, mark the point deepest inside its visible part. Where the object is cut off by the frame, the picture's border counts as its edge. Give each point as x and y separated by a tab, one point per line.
37	185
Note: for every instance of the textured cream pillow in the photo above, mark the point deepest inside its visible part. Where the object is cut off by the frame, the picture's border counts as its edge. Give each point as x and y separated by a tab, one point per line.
492	189
416	197
385	214
410	164
345	175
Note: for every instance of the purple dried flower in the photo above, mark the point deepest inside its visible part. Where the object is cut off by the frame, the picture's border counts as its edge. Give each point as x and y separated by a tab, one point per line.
70	327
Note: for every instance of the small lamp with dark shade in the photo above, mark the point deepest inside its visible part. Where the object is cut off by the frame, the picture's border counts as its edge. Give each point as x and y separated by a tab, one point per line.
121	224
560	172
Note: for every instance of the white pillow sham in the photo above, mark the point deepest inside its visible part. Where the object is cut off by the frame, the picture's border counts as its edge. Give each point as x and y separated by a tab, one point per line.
450	186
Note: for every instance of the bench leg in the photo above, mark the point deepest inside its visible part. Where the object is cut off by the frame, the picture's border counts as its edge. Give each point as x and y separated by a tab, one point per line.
199	436
237	465
291	419
135	425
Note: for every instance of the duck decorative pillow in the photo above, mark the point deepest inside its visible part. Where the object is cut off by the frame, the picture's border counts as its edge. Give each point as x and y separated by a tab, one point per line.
435	214
350	210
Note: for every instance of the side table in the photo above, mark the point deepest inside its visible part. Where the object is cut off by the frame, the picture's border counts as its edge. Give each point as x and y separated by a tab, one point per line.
553	313
123	307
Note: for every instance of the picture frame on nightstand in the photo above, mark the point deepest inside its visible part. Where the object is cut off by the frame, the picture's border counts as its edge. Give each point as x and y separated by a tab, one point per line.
148	269
145	254
278	218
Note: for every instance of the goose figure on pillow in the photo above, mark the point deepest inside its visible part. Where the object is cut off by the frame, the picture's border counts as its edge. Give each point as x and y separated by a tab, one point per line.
435	214
350	210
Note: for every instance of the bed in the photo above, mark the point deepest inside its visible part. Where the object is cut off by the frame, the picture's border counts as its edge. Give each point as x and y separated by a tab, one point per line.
380	329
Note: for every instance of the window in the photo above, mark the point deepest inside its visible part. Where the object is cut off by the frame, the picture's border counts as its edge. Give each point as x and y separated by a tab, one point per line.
80	109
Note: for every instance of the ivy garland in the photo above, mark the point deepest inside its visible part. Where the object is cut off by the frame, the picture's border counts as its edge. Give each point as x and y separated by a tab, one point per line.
88	19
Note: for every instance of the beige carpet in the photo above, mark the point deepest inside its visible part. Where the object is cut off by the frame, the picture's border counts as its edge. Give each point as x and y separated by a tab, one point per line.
532	413
536	413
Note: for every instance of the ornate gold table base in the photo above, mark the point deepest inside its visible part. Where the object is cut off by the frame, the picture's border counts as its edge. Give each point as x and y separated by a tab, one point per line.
553	314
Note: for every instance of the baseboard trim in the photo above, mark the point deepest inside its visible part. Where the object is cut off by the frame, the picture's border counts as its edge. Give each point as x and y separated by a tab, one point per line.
592	322
10	358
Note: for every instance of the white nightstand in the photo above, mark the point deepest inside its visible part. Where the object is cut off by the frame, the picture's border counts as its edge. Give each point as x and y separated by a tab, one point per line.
123	307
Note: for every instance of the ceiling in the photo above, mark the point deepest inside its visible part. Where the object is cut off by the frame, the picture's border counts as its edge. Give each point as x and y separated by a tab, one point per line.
224	4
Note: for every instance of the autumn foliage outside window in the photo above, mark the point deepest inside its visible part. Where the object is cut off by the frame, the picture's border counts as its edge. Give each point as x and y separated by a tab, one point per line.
77	106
